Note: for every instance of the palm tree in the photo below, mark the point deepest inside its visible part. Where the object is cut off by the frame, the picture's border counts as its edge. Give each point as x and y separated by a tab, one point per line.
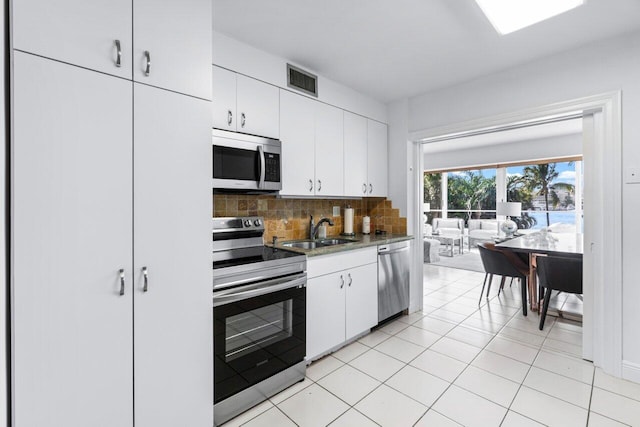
539	179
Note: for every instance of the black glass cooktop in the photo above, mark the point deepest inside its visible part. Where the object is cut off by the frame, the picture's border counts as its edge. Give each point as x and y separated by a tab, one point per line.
235	257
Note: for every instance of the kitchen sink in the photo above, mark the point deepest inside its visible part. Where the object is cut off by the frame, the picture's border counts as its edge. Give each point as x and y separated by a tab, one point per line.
313	244
301	245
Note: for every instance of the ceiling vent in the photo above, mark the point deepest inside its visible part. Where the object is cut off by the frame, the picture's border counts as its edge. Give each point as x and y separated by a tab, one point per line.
302	80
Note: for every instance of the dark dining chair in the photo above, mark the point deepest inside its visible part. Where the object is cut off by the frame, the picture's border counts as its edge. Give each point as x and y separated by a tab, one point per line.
505	264
559	274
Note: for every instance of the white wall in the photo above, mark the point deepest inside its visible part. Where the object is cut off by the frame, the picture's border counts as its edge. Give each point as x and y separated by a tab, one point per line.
532	149
245	59
597	68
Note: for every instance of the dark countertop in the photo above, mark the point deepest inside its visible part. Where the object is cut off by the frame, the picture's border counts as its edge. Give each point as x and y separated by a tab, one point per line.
362	241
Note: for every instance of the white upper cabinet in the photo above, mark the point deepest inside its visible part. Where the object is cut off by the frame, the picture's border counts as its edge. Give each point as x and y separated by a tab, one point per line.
297	133
224	99
355	155
172	45
243	104
172	317
377	158
72	255
312	143
365	157
258	108
79	32
329	144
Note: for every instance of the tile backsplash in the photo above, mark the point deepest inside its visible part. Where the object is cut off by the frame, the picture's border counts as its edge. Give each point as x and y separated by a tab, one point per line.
289	218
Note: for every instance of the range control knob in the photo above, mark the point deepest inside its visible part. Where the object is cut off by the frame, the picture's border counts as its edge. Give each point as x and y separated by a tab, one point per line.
247	223
257	223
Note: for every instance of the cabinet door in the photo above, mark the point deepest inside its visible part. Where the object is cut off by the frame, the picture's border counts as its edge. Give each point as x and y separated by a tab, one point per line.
362	299
298	136
71	232
79	32
258	108
172	239
177	34
224	99
355	155
377	158
329	150
325	313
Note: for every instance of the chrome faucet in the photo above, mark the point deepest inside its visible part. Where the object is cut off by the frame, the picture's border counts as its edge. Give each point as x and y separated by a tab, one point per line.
313	229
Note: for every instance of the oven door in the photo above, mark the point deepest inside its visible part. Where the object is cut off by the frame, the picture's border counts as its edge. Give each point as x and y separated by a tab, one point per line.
248	164
259	330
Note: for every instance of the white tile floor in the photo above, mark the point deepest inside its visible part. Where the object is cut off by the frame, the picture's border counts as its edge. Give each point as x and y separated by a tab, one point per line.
456	364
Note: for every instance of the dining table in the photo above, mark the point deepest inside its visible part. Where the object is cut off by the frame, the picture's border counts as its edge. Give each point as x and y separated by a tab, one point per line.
568	245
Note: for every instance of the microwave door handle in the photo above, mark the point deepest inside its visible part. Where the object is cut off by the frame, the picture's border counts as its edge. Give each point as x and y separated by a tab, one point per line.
262	166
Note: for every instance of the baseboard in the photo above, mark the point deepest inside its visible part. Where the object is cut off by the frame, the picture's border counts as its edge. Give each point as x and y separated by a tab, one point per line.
631	371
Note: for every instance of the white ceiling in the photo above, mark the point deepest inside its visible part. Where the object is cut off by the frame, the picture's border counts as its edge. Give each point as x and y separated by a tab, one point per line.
391	49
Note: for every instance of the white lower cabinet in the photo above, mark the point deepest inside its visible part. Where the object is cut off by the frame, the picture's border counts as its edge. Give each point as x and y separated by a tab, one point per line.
173	317
71	232
97	202
342	298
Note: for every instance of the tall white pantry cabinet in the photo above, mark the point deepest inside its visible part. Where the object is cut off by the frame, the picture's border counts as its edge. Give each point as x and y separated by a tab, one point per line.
111	207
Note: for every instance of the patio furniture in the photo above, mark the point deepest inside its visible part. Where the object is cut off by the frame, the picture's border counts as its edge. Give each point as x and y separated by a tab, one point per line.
431	250
500	263
559	274
450	241
482	230
449	231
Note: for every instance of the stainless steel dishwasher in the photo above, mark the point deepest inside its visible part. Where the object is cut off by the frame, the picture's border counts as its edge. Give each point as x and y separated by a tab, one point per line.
393	279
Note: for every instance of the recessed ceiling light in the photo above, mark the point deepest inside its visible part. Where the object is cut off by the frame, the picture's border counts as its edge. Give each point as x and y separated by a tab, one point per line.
508	16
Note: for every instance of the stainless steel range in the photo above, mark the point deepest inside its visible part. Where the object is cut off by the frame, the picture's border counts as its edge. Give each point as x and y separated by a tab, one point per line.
259	308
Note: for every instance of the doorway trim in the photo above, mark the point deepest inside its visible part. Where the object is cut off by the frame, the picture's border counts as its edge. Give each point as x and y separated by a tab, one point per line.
602	143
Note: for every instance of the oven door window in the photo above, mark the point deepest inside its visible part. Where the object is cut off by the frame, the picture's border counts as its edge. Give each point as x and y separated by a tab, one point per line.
235	163
257	338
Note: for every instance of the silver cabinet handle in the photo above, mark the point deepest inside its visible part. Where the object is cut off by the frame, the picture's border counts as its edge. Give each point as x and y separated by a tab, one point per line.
229	117
147	70
342	282
364	188
310	185
350	279
319	185
370	188
145	288
118	53
243	119
121	273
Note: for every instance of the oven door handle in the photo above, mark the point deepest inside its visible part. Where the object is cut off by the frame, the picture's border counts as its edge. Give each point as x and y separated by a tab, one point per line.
262	166
228	296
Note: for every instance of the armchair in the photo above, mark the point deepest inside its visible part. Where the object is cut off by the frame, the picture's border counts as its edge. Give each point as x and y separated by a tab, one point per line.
482	230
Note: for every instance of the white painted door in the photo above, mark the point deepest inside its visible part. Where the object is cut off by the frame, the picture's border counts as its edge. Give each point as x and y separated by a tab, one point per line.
258	108
177	36
298	139
71	233
325	313
79	32
377	158
329	145
224	99
355	155
172	225
362	299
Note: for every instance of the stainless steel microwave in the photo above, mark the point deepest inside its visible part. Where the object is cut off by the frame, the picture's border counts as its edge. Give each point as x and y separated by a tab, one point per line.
246	163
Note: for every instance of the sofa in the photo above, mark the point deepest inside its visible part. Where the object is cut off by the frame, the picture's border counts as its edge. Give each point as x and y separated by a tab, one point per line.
482	230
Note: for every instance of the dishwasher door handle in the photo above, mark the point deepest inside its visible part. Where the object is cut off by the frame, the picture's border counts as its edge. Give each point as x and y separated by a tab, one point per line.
387	251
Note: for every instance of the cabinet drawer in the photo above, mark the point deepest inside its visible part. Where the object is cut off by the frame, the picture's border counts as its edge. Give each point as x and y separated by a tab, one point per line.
325	264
